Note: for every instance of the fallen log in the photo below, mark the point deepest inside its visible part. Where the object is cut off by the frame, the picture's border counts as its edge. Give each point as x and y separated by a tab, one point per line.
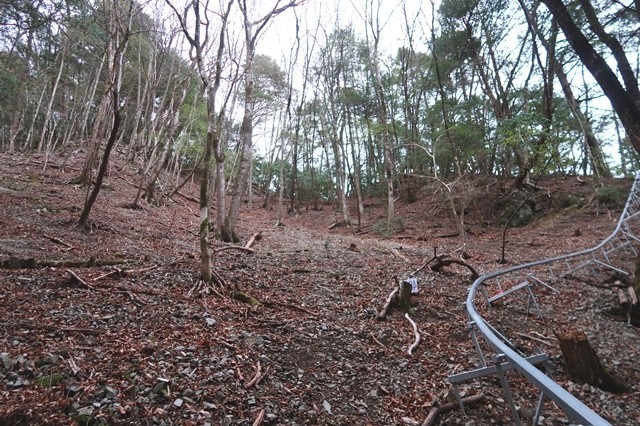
32	263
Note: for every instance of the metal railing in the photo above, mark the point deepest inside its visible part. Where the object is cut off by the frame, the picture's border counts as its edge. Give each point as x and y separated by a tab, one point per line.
622	238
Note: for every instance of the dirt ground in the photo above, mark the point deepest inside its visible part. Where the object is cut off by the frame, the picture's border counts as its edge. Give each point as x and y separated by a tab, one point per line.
104	330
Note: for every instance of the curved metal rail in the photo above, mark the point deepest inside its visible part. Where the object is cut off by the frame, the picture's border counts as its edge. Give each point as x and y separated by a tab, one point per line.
621	237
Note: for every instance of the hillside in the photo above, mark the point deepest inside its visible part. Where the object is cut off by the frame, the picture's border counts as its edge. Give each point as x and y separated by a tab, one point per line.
112	335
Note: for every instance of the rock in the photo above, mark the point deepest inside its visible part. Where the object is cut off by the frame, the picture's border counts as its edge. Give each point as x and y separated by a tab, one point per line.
110	392
48	360
7	361
210	321
72	390
327	407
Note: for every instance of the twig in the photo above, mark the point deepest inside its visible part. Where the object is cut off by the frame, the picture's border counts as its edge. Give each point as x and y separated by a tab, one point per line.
255	378
378	341
415	331
535	339
227	344
435	411
385	308
258	421
245	249
81	281
58	241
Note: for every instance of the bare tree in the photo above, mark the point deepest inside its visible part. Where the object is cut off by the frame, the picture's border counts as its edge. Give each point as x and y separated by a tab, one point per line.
252	30
119	26
199	42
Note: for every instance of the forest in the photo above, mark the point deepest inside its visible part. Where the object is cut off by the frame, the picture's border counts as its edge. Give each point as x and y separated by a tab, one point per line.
175	168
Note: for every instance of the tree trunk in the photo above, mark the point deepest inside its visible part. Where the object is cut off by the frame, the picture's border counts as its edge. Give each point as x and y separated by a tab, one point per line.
120	41
625	102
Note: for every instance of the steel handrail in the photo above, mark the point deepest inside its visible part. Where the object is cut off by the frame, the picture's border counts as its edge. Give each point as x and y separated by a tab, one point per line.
573	407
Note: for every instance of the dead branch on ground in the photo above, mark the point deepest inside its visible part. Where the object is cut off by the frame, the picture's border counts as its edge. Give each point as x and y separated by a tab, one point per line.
415	332
255	237
256	376
385	308
32	263
437	410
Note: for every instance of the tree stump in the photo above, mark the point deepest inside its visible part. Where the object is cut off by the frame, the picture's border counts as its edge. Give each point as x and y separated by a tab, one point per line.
583	365
404	300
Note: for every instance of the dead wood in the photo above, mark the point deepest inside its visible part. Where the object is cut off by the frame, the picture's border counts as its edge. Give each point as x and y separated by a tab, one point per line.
255	237
59	241
82	282
399	255
378	342
31	263
416	334
337	224
404	298
441	262
258	421
256	376
227	344
387	304
583	364
54	328
535	339
437	410
245	298
240	248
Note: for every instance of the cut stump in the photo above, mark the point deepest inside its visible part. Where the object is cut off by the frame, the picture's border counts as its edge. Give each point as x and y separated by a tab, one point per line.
583	365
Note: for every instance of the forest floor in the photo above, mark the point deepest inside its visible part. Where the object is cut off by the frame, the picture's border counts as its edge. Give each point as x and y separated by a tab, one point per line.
125	343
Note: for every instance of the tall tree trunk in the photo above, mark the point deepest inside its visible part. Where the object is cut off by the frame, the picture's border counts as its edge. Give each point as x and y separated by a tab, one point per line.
120	41
625	101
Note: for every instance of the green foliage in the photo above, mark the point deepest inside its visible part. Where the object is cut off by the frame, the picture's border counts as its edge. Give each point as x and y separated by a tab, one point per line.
610	196
49	380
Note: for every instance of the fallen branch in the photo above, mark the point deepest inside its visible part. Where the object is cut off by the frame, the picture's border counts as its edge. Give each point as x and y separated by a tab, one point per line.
255	237
385	308
399	255
442	262
227	344
81	281
31	263
437	410
58	329
258	421
415	332
245	249
255	378
535	339
58	241
378	341
335	225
